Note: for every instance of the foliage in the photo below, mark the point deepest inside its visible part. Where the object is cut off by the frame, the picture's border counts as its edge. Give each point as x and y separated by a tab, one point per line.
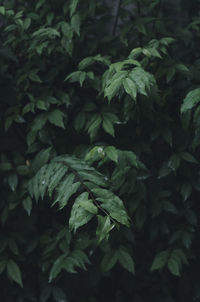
99	154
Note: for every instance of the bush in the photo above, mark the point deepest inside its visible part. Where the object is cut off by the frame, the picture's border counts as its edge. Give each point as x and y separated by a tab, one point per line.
99	155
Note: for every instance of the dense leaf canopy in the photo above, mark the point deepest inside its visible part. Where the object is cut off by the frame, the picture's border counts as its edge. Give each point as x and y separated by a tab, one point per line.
99	151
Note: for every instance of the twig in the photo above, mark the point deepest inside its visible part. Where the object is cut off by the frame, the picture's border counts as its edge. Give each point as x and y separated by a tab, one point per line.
116	17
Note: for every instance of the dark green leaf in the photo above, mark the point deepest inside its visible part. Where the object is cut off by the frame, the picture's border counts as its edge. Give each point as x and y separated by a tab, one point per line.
125	259
160	260
14	272
109	260
56	118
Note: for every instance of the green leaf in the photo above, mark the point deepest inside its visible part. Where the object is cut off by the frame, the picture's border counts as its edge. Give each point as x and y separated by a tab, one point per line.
57	267
170	73
2	10
143	80
79	216
38	123
64	194
130	88
167	40
41	159
125	259
86	62
89	206
41	105
108	126
13	181
103	228
182	68
27	23
94	127
73	6
160	260
109	260
112	204
173	266
114	84
112	153
191	100
75	24
186	190
174	162
34	77
14	272
27	205
56	118
188	157
135	52
187	239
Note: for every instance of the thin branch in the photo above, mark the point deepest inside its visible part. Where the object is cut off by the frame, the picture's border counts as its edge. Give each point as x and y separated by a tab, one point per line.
116	17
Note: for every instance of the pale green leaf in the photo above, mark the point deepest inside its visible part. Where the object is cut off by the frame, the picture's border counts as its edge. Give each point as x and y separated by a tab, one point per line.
66	189
112	204
104	227
142	79
73	6
89	206
191	100
79	216
2	10
114	84
130	87
94	177
112	153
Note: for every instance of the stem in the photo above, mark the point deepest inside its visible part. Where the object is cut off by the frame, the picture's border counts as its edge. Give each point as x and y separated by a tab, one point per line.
139	13
116	17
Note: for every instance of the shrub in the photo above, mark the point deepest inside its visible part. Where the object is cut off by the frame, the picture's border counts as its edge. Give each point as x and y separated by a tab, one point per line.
99	155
